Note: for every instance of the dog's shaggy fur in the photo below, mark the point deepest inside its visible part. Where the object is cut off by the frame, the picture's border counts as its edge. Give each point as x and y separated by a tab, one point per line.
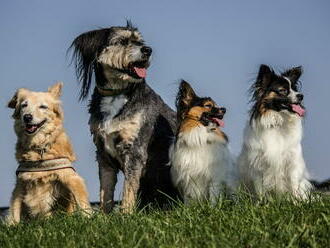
271	158
132	127
202	165
41	137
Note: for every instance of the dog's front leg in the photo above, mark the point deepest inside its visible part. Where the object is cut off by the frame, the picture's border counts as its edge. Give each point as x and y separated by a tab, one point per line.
108	180
77	188
131	187
15	210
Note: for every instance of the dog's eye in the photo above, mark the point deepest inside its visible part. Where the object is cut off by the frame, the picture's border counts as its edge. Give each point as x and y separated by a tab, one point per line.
24	105
43	107
208	105
283	91
123	42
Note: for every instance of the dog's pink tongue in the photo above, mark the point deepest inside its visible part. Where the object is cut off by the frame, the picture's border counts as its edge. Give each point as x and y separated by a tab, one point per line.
220	123
141	72
298	109
31	128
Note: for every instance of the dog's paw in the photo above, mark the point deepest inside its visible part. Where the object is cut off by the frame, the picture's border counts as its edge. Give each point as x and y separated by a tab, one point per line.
9	221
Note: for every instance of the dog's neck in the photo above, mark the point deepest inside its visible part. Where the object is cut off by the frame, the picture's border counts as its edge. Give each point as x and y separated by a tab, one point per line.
44	146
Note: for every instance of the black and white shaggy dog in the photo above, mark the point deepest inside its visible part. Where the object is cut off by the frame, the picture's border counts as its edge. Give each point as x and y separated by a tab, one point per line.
131	126
271	158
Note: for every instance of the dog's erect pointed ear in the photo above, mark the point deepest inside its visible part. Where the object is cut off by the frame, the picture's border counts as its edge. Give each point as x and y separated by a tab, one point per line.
293	74
56	89
264	78
184	98
264	75
85	50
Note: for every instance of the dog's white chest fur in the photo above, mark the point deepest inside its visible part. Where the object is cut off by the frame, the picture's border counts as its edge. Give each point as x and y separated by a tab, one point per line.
111	127
271	158
201	164
111	106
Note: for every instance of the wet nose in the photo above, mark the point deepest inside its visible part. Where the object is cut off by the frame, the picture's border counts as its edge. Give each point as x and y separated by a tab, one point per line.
223	110
300	97
146	50
27	118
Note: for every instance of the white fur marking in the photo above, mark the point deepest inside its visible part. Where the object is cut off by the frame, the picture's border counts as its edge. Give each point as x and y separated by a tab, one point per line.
111	105
201	164
271	157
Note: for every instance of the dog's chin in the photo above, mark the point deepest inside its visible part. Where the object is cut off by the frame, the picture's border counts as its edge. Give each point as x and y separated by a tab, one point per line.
31	129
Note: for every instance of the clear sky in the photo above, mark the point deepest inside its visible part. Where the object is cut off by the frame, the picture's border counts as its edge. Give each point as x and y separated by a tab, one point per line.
215	45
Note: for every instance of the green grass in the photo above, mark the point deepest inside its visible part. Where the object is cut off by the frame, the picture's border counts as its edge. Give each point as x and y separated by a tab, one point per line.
244	223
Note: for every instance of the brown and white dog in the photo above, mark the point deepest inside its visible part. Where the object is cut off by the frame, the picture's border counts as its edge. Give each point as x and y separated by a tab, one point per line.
45	176
202	165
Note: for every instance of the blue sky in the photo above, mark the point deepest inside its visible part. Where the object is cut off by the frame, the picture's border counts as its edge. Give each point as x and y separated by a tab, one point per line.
215	45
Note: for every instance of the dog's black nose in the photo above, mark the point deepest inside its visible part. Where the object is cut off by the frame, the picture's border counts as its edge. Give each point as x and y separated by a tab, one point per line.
300	97
146	50
27	118
223	110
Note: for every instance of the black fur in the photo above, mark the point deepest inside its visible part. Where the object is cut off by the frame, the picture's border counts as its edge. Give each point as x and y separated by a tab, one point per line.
268	81
86	48
147	152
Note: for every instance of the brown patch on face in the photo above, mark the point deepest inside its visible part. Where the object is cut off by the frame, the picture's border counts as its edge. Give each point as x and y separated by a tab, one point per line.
192	118
262	108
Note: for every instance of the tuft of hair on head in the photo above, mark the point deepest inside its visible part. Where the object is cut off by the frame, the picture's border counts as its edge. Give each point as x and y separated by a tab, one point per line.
185	96
85	48
129	25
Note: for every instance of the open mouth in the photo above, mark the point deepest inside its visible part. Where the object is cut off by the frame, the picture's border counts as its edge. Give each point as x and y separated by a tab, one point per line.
33	128
138	69
218	121
214	118
298	109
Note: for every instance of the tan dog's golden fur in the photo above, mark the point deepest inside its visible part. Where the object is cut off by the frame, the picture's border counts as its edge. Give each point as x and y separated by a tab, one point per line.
43	139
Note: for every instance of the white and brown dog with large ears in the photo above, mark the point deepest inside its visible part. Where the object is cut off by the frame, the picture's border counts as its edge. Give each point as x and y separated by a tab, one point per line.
202	165
271	159
46	179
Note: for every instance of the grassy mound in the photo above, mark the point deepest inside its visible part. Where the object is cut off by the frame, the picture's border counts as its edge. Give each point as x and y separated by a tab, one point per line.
243	223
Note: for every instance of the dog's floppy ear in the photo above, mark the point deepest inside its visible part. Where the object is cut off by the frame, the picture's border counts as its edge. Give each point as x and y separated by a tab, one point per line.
293	74
15	100
85	50
184	98
56	89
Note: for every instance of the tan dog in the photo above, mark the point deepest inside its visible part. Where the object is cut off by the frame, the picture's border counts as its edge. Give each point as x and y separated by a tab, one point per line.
46	179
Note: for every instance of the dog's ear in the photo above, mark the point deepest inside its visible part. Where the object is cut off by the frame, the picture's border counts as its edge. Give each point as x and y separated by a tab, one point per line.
265	75
86	47
264	78
56	89
293	74
184	98
15	100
